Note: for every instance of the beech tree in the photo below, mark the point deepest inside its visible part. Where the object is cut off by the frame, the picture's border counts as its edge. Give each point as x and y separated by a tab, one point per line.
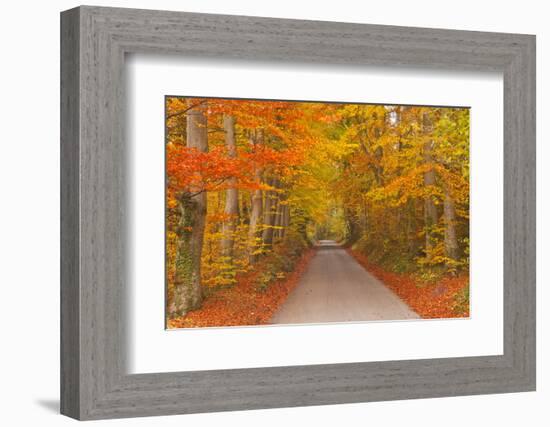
430	210
232	193
256	204
193	207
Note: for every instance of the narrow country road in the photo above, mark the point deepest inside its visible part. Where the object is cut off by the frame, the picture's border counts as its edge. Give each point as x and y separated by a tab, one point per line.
335	288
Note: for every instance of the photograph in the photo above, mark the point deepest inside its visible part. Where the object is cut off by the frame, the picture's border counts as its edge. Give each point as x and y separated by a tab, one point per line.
306	212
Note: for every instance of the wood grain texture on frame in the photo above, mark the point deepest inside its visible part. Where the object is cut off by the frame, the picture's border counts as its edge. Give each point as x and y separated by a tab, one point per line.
94	234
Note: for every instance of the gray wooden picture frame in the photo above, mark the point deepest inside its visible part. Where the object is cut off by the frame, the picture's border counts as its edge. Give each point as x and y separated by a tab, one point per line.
94	382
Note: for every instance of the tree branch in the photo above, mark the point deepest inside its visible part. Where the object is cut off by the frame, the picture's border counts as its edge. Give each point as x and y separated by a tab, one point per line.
179	113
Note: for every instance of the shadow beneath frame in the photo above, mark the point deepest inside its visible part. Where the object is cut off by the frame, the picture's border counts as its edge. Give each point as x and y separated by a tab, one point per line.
52	405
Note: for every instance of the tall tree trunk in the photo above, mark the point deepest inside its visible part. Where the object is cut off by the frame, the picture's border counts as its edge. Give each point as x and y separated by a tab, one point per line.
277	221
231	194
430	210
256	208
192	204
270	211
412	231
279	218
449	215
244	209
285	220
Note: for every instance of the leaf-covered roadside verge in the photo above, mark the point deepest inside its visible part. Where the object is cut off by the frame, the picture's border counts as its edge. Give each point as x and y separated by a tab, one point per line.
447	298
249	302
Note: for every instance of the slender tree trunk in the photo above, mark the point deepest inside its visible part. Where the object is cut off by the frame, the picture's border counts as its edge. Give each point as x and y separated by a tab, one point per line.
285	220
430	210
412	231
279	218
231	194
270	211
256	210
192	204
277	221
449	215
244	210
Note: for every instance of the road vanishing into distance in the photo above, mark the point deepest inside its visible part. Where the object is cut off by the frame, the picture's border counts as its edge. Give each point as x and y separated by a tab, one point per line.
336	288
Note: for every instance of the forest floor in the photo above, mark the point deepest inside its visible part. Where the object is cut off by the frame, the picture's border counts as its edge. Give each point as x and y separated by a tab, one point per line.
329	284
244	304
447	298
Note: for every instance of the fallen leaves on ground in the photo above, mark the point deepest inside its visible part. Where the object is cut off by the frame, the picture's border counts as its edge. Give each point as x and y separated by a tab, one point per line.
430	301
244	304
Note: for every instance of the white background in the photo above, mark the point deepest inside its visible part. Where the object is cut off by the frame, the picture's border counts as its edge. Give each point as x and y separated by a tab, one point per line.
152	349
29	218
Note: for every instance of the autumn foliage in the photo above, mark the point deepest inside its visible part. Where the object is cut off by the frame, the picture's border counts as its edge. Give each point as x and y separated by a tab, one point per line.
243	304
251	185
445	298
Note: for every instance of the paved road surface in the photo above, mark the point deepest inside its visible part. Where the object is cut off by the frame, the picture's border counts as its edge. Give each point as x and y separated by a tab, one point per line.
335	288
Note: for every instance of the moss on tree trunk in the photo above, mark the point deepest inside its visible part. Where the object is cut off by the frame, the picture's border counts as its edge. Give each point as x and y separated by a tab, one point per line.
187	283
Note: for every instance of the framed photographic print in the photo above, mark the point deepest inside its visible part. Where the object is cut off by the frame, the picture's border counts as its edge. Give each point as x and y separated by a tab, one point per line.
264	196
262	213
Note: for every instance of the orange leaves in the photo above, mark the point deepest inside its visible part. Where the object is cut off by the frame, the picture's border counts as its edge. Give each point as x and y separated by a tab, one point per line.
279	161
430	301
192	170
269	115
243	304
195	171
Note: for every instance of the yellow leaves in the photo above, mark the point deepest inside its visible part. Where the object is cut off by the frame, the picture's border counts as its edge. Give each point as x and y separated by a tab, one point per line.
171	202
218	269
